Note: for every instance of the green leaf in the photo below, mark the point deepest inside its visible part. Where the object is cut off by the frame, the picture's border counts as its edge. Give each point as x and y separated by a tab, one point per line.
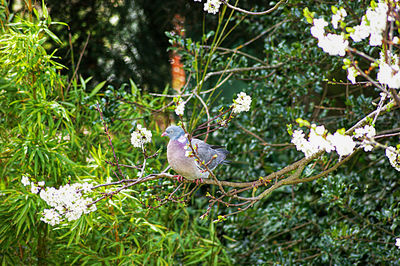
52	35
97	88
308	15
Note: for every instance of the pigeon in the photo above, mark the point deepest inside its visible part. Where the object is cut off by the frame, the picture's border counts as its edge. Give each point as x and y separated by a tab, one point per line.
188	167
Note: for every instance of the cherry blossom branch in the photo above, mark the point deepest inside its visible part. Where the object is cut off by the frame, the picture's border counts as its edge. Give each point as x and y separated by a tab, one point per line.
387	135
324	173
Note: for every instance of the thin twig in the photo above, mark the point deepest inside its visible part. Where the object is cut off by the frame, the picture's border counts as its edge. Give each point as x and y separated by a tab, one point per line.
207	112
250	12
263	142
109	138
77	65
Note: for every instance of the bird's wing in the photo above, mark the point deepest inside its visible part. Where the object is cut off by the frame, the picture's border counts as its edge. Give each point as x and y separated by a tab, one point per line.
206	153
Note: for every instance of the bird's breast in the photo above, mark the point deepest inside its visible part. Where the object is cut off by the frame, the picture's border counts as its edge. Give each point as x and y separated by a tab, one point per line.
185	166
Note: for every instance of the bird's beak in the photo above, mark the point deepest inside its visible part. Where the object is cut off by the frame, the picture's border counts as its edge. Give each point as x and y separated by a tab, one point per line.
163	134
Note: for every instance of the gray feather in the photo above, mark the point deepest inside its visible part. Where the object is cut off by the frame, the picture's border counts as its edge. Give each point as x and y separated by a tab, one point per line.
206	154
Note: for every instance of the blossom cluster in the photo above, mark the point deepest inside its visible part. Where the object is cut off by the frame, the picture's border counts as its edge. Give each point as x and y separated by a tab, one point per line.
332	44
319	139
366	134
338	16
68	203
372	25
140	136
393	155
180	107
35	187
241	103
389	71
211	6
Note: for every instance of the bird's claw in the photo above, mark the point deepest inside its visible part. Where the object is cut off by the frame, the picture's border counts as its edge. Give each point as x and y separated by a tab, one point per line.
200	180
179	178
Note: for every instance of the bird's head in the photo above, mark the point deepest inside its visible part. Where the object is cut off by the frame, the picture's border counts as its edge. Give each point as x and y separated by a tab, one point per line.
173	132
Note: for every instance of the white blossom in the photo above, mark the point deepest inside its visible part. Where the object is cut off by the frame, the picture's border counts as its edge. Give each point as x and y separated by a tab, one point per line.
344	144
360	31
298	137
352	73
140	136
389	71
86	187
320	130
317	138
377	22
51	216
398	242
241	103
367	146
317	30
333	44
34	189
188	151
315	143
389	74
302	144
375	39
339	16
68	202
41	183
373	24
222	122
394	157
366	134
212	6
180	108
366	131
25	180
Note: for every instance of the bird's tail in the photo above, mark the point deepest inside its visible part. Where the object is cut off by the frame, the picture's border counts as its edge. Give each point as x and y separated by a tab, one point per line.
222	154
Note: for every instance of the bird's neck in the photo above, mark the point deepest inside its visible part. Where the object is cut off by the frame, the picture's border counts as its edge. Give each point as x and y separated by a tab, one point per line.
182	139
179	142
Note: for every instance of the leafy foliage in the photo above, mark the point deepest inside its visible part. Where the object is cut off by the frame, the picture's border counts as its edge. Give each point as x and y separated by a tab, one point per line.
51	131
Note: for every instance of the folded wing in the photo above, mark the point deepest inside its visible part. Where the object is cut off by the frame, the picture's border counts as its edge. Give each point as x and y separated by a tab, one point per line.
207	152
